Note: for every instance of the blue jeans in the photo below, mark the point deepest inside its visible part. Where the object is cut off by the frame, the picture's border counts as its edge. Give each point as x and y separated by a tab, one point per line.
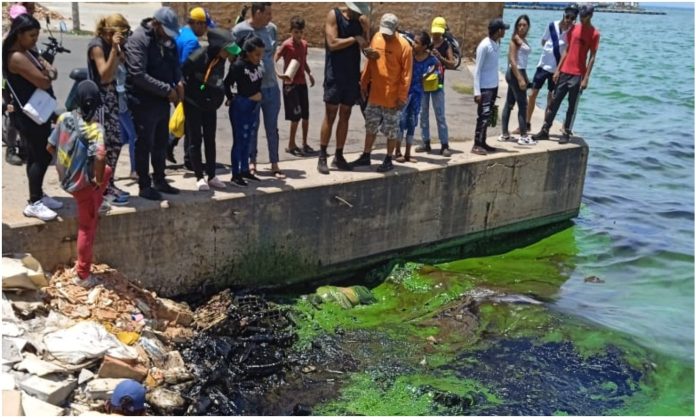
439	106
244	116
128	135
409	117
270	106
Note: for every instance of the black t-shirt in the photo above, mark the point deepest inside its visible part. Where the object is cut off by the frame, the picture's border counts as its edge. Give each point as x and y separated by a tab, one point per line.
92	65
246	75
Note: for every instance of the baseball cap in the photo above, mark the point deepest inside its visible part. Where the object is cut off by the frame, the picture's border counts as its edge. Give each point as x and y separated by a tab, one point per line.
129	389
388	24
359	7
496	24
197	14
572	8
439	25
586	10
170	22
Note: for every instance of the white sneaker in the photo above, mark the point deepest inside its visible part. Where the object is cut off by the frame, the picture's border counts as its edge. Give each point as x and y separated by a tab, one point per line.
39	210
503	138
105	207
51	203
526	140
216	183
202	185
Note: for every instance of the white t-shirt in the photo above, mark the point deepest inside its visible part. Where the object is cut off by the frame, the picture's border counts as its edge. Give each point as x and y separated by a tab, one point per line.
547	61
486	70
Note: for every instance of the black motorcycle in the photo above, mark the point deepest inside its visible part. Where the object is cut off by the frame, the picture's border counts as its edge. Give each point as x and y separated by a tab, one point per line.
16	154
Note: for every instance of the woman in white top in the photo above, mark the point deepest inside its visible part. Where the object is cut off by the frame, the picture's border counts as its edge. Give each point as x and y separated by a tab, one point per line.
516	77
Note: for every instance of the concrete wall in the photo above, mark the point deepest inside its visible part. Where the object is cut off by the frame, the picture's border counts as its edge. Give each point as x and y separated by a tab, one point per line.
468	21
293	235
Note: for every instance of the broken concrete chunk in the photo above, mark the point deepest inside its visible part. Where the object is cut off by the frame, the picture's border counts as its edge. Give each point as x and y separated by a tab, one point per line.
10	352
35	365
174	360
101	389
177	375
12	403
22	272
47	390
175	312
34	407
165	401
115	368
85	376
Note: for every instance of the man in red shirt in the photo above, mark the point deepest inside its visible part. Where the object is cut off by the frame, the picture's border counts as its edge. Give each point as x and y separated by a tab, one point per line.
573	73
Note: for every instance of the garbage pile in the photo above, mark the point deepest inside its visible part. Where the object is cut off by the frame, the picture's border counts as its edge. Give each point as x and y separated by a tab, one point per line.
65	348
240	350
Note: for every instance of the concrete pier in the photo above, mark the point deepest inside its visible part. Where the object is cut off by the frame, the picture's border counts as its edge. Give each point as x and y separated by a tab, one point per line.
312	226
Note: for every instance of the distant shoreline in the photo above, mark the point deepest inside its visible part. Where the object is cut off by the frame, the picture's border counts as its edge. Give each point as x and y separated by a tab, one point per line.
560	7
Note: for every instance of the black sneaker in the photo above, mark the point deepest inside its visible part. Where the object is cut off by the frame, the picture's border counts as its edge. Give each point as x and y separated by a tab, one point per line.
543	135
166	188
423	148
307	150
322	167
150	194
387	165
341	164
446	152
565	138
364	160
247	175
238	181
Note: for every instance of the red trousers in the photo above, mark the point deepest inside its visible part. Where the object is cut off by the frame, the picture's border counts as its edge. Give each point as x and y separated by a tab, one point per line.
88	200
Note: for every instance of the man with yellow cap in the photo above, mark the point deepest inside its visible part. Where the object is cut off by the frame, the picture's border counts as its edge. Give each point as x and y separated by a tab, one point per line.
187	41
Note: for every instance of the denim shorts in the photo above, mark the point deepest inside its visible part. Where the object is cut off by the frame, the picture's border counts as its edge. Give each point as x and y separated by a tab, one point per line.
540	77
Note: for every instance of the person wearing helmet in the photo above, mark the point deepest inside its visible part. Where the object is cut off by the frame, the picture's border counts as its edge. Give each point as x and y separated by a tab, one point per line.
573	73
553	43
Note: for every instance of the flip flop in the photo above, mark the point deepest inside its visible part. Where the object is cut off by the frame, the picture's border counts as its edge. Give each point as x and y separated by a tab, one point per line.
279	175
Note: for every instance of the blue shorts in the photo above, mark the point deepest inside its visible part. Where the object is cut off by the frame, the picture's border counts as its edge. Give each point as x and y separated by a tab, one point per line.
540	77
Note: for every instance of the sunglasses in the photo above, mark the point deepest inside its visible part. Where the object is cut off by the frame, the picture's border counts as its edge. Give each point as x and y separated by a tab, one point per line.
570	17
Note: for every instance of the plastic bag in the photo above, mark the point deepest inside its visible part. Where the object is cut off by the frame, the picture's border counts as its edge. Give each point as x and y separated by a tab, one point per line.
176	121
86	340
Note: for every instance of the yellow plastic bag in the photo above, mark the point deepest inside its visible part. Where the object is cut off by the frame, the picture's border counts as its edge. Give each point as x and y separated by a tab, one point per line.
431	82
176	121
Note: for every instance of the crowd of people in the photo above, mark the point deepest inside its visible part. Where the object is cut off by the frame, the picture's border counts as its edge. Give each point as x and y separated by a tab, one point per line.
136	75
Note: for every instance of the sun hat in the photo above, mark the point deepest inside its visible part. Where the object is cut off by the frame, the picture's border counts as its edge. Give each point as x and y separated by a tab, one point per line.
439	25
169	20
359	7
388	24
131	390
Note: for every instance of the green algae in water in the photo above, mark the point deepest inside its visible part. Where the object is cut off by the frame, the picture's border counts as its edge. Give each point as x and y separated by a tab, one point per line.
638	381
368	394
